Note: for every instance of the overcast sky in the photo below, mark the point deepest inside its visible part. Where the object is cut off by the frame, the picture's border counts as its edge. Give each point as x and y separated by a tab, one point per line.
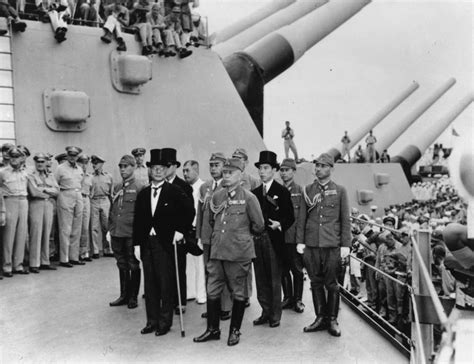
352	73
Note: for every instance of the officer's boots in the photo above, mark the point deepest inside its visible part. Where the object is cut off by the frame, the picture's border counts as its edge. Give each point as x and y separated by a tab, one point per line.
238	309
333	308
287	292
298	286
319	302
124	283
213	320
134	287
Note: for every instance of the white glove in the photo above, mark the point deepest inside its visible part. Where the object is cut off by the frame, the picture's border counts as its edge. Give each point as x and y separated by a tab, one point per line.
300	248
345	252
177	236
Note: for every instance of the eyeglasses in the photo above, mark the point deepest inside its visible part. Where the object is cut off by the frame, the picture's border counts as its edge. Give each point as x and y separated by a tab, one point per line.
158	168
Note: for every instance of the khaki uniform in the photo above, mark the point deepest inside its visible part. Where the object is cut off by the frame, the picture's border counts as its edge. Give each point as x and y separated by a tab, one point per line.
84	247
42	189
70	207
102	189
141	175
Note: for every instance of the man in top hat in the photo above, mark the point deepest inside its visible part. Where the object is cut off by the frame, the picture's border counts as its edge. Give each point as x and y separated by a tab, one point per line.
169	155
42	190
203	226
163	212
248	181
101	195
327	239
141	171
86	190
235	216
121	231
277	209
292	277
70	207
13	186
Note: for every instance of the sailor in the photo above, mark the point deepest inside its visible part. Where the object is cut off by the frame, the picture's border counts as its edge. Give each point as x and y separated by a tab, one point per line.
121	231
86	187
277	209
101	195
13	186
141	171
292	274
42	190
235	216
203	226
370	142
327	239
70	206
346	141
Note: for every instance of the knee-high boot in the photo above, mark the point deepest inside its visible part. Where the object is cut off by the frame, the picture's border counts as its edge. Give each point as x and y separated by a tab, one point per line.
298	296
288	301
124	275
333	310
319	302
134	287
213	320
238	309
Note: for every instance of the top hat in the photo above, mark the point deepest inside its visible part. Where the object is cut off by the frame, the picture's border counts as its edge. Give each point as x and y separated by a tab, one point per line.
157	158
169	155
268	157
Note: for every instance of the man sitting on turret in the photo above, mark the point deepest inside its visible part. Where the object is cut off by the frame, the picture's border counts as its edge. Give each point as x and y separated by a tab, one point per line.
117	16
173	23
8	12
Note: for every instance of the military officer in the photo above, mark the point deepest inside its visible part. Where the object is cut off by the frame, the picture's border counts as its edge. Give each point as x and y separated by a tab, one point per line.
203	227
292	276
277	209
101	195
42	190
141	171
70	207
235	215
13	185
248	181
5	155
121	232
86	188
327	240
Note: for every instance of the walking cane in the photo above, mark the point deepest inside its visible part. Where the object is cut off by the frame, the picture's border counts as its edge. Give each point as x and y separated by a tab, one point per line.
178	286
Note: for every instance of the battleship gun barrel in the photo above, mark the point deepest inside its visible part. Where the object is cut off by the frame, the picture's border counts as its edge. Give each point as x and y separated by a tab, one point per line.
273	22
250	20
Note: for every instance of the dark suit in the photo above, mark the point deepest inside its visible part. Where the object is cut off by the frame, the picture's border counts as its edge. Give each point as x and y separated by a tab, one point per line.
188	190
270	247
174	212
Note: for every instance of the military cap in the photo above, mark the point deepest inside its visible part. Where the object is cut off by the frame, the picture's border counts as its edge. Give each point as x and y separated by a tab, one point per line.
49	156
388	219
71	150
363	217
233	164
6	147
217	157
40	157
288	163
24	150
138	151
128	159
83	158
240	153
15	152
326	159
97	159
60	157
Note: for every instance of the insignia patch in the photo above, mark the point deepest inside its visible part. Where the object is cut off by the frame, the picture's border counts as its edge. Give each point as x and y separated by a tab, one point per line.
295	194
131	191
330	192
236	202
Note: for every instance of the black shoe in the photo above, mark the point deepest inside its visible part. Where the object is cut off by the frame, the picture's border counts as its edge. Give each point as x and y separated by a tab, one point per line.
7	274
183	310
132	303
287	303
122	47
60	35
95	256
275	323
18	26
107	37
66	265
148	329
210	334
77	262
225	315
46	267
183	53
299	306
333	328
261	320
86	259
34	270
204	315
109	255
23	271
234	337
54	258
321	323
161	332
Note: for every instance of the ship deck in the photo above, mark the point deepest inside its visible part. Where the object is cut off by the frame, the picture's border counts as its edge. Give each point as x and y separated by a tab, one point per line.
63	316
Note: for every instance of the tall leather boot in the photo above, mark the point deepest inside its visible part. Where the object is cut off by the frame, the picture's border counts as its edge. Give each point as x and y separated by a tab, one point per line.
134	287
124	283
238	309
333	310
319	302
213	312
298	286
287	291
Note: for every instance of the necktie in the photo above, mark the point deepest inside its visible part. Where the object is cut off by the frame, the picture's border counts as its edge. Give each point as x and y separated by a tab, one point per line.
264	190
214	186
155	191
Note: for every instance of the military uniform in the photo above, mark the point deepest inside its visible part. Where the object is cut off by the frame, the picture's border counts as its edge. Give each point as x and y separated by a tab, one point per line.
42	189
141	171
371	154
70	207
85	243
